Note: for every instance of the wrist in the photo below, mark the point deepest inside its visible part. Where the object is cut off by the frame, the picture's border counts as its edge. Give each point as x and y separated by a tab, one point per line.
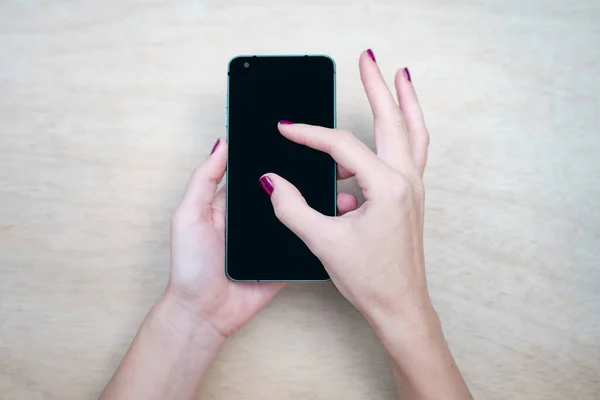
419	353
184	321
414	321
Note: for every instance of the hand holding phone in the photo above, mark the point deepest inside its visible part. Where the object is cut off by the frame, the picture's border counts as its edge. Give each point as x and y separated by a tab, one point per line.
197	280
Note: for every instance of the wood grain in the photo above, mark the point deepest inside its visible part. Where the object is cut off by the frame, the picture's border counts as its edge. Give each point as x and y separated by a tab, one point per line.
106	107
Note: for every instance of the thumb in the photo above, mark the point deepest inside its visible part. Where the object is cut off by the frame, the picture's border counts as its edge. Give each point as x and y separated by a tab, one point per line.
293	211
203	183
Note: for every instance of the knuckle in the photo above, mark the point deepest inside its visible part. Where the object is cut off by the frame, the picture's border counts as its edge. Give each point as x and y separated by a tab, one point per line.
400	124
401	188
389	117
198	173
426	138
419	189
347	139
198	170
342	140
378	115
397	117
344	135
281	214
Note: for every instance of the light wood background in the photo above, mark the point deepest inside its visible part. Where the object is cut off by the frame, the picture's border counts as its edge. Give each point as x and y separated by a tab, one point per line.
106	106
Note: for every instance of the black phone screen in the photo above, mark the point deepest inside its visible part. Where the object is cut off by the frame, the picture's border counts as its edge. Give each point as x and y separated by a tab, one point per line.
262	91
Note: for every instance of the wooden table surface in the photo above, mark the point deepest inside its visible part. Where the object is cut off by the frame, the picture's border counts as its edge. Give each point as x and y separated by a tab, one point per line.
106	106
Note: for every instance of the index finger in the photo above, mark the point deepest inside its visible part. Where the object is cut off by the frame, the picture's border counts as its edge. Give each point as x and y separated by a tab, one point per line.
344	147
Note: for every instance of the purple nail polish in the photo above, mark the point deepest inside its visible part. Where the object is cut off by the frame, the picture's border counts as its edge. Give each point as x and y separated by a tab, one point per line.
267	184
215	146
406	73
371	54
285	122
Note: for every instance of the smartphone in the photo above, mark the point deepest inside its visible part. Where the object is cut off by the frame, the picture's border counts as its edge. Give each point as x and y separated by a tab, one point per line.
262	91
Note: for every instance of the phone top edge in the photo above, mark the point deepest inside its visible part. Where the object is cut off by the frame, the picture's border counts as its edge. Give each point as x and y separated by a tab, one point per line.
283	55
279	56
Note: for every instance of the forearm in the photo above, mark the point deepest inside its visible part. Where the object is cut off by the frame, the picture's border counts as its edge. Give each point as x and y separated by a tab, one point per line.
423	365
169	356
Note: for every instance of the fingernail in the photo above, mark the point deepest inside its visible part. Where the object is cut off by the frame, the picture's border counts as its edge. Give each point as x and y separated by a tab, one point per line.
285	122
407	74
267	184
370	53
215	146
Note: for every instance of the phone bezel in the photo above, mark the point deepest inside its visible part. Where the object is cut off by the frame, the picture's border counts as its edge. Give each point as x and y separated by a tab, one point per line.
227	177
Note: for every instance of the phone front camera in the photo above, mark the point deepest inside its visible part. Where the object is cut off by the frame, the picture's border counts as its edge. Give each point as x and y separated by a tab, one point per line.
246	64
